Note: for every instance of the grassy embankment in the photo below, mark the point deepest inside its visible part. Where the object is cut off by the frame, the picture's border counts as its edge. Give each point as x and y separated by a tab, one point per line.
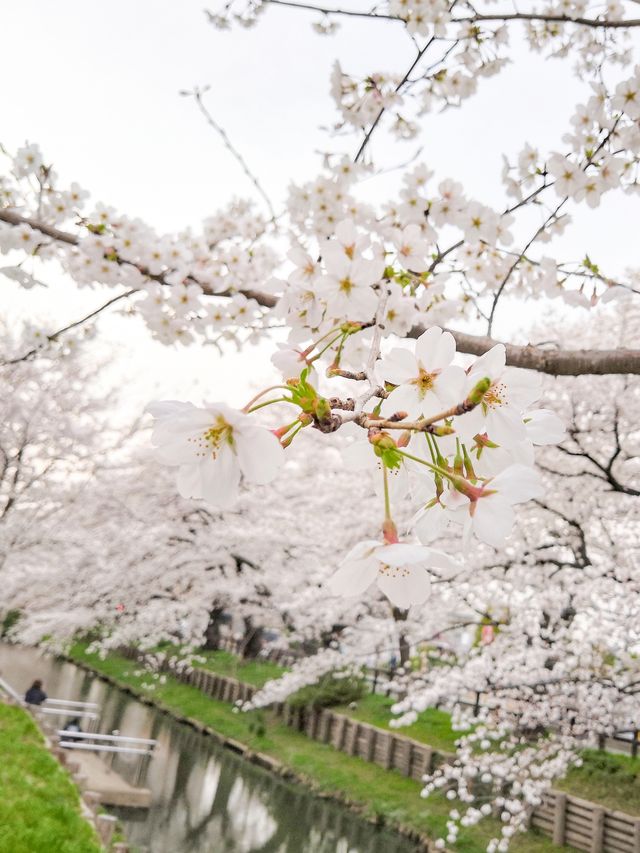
384	795
612	780
39	804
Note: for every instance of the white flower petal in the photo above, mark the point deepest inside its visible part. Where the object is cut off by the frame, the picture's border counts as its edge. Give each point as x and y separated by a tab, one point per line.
260	454
399	366
404	398
544	427
403	553
490	364
216	482
517	484
435	349
359	456
354	576
405	586
493	520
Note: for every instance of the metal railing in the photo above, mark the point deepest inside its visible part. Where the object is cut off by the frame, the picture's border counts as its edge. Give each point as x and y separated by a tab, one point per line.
118	742
11	692
110	746
73	703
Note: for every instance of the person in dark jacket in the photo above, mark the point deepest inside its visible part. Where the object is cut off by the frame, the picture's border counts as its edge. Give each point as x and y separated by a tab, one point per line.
35	695
71	728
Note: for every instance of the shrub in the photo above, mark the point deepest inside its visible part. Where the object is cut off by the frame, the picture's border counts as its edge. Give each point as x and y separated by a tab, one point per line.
329	691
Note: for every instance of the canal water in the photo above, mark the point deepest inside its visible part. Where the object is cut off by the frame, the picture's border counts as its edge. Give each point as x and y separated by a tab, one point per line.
205	799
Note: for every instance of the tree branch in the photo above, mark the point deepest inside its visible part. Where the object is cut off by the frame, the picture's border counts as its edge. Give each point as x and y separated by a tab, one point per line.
55	335
497	18
554	362
196	94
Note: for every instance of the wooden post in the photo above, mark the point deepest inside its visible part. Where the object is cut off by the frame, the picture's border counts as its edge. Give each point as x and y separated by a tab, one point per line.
371	743
391	746
597	830
312	723
409	758
635	847
428	759
325	727
560	818
355	734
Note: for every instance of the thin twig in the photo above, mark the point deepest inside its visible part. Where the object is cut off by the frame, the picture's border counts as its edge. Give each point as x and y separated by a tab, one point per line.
376	121
55	335
197	94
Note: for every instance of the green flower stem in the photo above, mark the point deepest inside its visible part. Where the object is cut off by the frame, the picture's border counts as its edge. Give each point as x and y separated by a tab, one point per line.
269	403
435	468
248	408
310	349
327	346
387	502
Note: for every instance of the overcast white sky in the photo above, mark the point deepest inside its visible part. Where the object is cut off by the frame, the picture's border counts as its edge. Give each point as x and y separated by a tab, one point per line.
96	85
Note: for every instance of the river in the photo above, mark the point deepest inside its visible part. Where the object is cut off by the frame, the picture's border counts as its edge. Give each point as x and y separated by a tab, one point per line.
205	799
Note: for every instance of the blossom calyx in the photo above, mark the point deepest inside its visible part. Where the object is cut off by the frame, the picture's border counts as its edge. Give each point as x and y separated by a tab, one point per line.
478	391
389	532
386	449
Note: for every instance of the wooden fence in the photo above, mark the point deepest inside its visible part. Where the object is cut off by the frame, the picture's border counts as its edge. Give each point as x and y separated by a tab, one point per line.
566	819
586	826
388	749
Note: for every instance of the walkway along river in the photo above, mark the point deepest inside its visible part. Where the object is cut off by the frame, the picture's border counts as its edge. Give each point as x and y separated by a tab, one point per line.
205	799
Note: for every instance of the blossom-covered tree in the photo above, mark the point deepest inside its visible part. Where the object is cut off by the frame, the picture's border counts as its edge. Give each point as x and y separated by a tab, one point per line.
389	309
54	436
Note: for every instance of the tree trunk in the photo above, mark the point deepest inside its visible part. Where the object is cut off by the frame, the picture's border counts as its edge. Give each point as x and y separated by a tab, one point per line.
212	631
252	640
404	648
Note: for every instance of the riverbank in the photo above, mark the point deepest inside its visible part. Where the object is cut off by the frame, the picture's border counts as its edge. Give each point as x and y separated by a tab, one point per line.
381	796
611	780
39	804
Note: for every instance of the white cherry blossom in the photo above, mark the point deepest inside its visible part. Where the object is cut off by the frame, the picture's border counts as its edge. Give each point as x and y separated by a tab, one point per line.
213	447
427	381
399	569
500	412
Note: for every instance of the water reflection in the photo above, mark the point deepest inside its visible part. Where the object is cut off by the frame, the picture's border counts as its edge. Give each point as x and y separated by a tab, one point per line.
205	799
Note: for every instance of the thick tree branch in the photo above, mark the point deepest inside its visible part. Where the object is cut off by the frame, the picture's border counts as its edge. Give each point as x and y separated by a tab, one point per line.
554	362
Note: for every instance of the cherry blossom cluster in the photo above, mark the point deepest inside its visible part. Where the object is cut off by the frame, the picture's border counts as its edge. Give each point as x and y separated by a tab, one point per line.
604	150
170	274
455	46
463	451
